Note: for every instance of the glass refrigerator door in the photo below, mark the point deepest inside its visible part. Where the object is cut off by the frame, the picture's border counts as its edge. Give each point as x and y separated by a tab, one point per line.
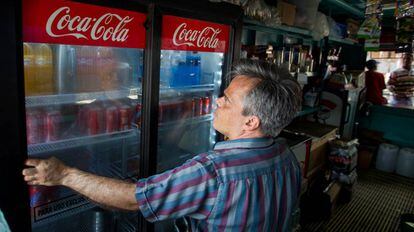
82	75
190	78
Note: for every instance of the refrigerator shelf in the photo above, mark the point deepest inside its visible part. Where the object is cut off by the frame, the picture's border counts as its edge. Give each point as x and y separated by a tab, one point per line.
180	91
81	98
35	149
185	122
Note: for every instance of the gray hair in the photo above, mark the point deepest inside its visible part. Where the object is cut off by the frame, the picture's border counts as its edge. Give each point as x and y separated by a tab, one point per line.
275	100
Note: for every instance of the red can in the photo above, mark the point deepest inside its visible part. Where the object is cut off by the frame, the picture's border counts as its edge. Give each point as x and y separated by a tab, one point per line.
112	119
82	119
124	117
198	106
53	120
34	127
206	105
193	107
92	123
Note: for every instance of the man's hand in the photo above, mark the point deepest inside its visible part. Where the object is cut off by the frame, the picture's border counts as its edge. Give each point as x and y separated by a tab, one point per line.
48	172
106	191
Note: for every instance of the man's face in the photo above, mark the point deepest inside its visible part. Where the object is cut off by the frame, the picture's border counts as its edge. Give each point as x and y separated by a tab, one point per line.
228	118
407	60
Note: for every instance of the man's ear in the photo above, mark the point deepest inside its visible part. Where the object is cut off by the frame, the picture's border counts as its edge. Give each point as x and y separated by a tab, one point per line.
252	123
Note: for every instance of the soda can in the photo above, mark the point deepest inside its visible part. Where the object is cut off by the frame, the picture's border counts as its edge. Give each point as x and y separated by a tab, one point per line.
206	105
34	127
101	120
124	117
53	120
111	118
92	124
198	106
193	107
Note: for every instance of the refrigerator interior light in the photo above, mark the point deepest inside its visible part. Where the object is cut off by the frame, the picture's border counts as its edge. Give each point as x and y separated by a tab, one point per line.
133	94
84	102
133	97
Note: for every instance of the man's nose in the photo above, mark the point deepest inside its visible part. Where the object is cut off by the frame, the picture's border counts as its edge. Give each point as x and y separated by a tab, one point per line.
218	101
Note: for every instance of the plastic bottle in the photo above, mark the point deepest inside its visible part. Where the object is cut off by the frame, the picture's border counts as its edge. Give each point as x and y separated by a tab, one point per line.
86	68
29	69
105	64
44	69
178	67
193	63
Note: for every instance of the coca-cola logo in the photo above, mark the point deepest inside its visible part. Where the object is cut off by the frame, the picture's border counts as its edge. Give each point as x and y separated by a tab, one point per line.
206	38
61	24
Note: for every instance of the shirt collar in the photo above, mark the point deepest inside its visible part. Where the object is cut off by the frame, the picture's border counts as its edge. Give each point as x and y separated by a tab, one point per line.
244	143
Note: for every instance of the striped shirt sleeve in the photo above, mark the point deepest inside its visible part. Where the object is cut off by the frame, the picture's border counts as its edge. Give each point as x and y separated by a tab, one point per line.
188	190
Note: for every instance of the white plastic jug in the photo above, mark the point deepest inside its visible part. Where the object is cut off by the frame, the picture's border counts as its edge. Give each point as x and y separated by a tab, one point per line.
405	163
387	157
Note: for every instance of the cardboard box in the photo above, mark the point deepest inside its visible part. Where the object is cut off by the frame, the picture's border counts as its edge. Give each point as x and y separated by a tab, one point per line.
287	12
333	191
320	134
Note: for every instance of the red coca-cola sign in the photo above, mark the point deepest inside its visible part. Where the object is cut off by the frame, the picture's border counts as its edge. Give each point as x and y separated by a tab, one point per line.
193	35
68	22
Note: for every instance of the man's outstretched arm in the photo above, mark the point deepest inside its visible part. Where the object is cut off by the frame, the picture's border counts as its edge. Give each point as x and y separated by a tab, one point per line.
106	191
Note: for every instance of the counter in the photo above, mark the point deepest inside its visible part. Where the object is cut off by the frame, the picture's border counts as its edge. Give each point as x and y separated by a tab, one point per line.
395	120
403	103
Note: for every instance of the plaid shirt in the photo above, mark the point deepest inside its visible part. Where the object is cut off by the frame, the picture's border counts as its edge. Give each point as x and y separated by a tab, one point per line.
242	185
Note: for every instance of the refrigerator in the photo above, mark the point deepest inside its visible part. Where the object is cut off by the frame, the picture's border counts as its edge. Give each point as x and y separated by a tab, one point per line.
83	96
123	89
191	72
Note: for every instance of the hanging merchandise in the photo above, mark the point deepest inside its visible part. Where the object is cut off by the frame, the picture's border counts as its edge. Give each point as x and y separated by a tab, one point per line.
370	29
257	9
405	26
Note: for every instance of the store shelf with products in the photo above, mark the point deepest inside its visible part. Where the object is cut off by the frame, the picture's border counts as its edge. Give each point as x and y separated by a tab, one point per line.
40	148
80	98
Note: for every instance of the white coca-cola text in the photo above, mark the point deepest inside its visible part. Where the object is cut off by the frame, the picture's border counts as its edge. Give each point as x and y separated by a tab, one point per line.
206	38
61	24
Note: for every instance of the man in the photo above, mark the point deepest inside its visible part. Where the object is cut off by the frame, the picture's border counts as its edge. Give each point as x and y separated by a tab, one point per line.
402	80
249	183
374	82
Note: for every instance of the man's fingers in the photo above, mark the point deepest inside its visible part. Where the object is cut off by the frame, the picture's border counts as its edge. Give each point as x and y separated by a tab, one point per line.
29	178
32	162
29	171
33	183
